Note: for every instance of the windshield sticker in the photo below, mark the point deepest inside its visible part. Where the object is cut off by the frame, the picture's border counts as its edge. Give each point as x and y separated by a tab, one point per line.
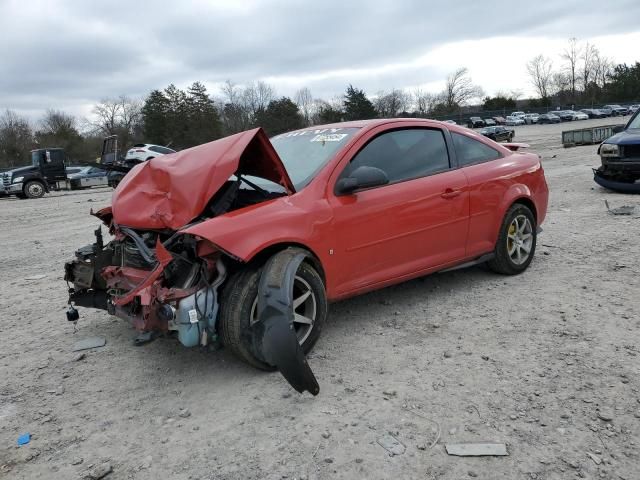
313	131
332	137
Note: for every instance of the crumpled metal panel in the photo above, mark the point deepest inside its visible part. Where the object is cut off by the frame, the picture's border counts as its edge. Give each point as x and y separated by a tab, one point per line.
168	192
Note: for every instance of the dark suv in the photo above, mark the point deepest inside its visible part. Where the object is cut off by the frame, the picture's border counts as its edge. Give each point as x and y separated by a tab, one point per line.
620	157
475	122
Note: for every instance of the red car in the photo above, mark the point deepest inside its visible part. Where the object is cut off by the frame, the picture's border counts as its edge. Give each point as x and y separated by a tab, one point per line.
245	240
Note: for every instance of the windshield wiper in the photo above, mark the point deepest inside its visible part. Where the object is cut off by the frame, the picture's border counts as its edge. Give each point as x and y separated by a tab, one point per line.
261	190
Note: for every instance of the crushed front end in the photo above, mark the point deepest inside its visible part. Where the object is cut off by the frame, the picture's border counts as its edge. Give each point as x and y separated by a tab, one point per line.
159	281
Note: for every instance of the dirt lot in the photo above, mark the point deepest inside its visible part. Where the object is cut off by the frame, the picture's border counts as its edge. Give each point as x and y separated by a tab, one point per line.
546	362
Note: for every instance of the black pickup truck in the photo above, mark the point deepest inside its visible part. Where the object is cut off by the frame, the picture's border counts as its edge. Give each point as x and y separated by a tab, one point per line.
47	172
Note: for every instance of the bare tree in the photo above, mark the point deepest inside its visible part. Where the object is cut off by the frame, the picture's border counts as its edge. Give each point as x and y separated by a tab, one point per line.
305	102
571	55
539	70
602	68
16	139
391	104
106	116
256	97
459	89
230	92
423	102
55	121
130	113
560	82
117	116
589	54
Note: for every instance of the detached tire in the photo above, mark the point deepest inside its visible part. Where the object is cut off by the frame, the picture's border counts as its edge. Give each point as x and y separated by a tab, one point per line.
516	243
33	189
238	311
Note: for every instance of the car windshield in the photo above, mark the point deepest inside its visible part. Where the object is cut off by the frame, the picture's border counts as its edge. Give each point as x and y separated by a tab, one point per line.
305	152
635	122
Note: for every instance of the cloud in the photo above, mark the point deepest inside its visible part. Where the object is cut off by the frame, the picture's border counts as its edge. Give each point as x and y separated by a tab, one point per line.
68	54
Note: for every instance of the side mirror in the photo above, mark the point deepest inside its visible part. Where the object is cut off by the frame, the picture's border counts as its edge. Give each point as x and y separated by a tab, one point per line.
361	177
618	129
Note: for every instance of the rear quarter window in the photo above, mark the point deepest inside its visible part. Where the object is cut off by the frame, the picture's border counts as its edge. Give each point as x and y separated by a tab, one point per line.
470	151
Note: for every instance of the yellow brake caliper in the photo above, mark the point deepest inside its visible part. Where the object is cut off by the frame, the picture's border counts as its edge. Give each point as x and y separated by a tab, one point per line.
512	230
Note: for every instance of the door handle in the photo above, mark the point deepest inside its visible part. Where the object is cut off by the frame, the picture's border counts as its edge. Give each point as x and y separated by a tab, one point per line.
450	193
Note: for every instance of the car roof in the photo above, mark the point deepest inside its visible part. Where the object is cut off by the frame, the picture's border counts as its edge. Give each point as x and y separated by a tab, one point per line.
366	125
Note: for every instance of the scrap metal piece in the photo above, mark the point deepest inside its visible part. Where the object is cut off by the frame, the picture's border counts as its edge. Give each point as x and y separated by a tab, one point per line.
274	336
624	210
477	449
391	444
88	343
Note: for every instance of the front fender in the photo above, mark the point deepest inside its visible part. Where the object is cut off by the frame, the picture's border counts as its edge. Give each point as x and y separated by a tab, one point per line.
246	232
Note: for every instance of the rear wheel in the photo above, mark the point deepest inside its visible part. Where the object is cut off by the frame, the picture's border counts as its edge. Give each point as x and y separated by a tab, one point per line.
516	242
239	311
34	189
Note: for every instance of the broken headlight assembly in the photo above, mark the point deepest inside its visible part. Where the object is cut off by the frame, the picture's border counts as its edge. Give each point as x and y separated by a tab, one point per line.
609	150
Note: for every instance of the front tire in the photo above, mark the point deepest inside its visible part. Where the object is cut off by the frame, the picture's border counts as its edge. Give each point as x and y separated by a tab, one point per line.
516	243
238	311
34	189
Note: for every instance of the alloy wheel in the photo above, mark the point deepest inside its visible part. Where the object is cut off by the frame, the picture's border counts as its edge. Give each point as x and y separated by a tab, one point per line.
304	309
520	239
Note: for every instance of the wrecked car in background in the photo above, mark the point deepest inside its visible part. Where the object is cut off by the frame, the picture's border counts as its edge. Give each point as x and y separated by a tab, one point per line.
620	157
245	240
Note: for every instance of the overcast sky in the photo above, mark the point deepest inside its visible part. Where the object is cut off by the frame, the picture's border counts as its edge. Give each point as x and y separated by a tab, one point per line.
69	54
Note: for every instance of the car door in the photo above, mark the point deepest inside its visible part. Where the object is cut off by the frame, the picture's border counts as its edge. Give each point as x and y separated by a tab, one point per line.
483	167
415	223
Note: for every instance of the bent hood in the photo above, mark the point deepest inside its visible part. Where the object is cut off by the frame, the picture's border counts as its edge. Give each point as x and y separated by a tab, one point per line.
171	190
626	137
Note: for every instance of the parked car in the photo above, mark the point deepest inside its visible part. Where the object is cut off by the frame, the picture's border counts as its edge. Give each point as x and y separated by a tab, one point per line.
565	115
517	114
580	116
451	122
247	239
475	122
489	122
499	120
593	113
530	118
616	110
86	177
620	158
548	118
498	133
146	151
633	109
511	120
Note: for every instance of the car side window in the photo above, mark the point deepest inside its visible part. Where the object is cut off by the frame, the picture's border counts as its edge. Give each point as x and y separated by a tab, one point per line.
470	151
163	150
404	154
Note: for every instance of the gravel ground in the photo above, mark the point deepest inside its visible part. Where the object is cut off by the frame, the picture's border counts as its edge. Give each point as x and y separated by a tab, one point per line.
546	362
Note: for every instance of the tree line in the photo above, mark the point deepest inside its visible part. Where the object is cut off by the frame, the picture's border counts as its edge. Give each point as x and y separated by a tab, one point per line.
583	76
180	118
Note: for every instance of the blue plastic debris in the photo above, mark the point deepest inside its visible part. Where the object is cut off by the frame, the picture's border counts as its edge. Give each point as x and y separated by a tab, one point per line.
24	439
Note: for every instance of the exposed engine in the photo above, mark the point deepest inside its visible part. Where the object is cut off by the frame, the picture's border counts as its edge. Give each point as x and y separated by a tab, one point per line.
159	280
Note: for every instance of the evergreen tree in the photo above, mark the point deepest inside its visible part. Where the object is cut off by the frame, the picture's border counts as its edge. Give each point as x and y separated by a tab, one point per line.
280	116
154	115
203	120
357	106
176	118
328	114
